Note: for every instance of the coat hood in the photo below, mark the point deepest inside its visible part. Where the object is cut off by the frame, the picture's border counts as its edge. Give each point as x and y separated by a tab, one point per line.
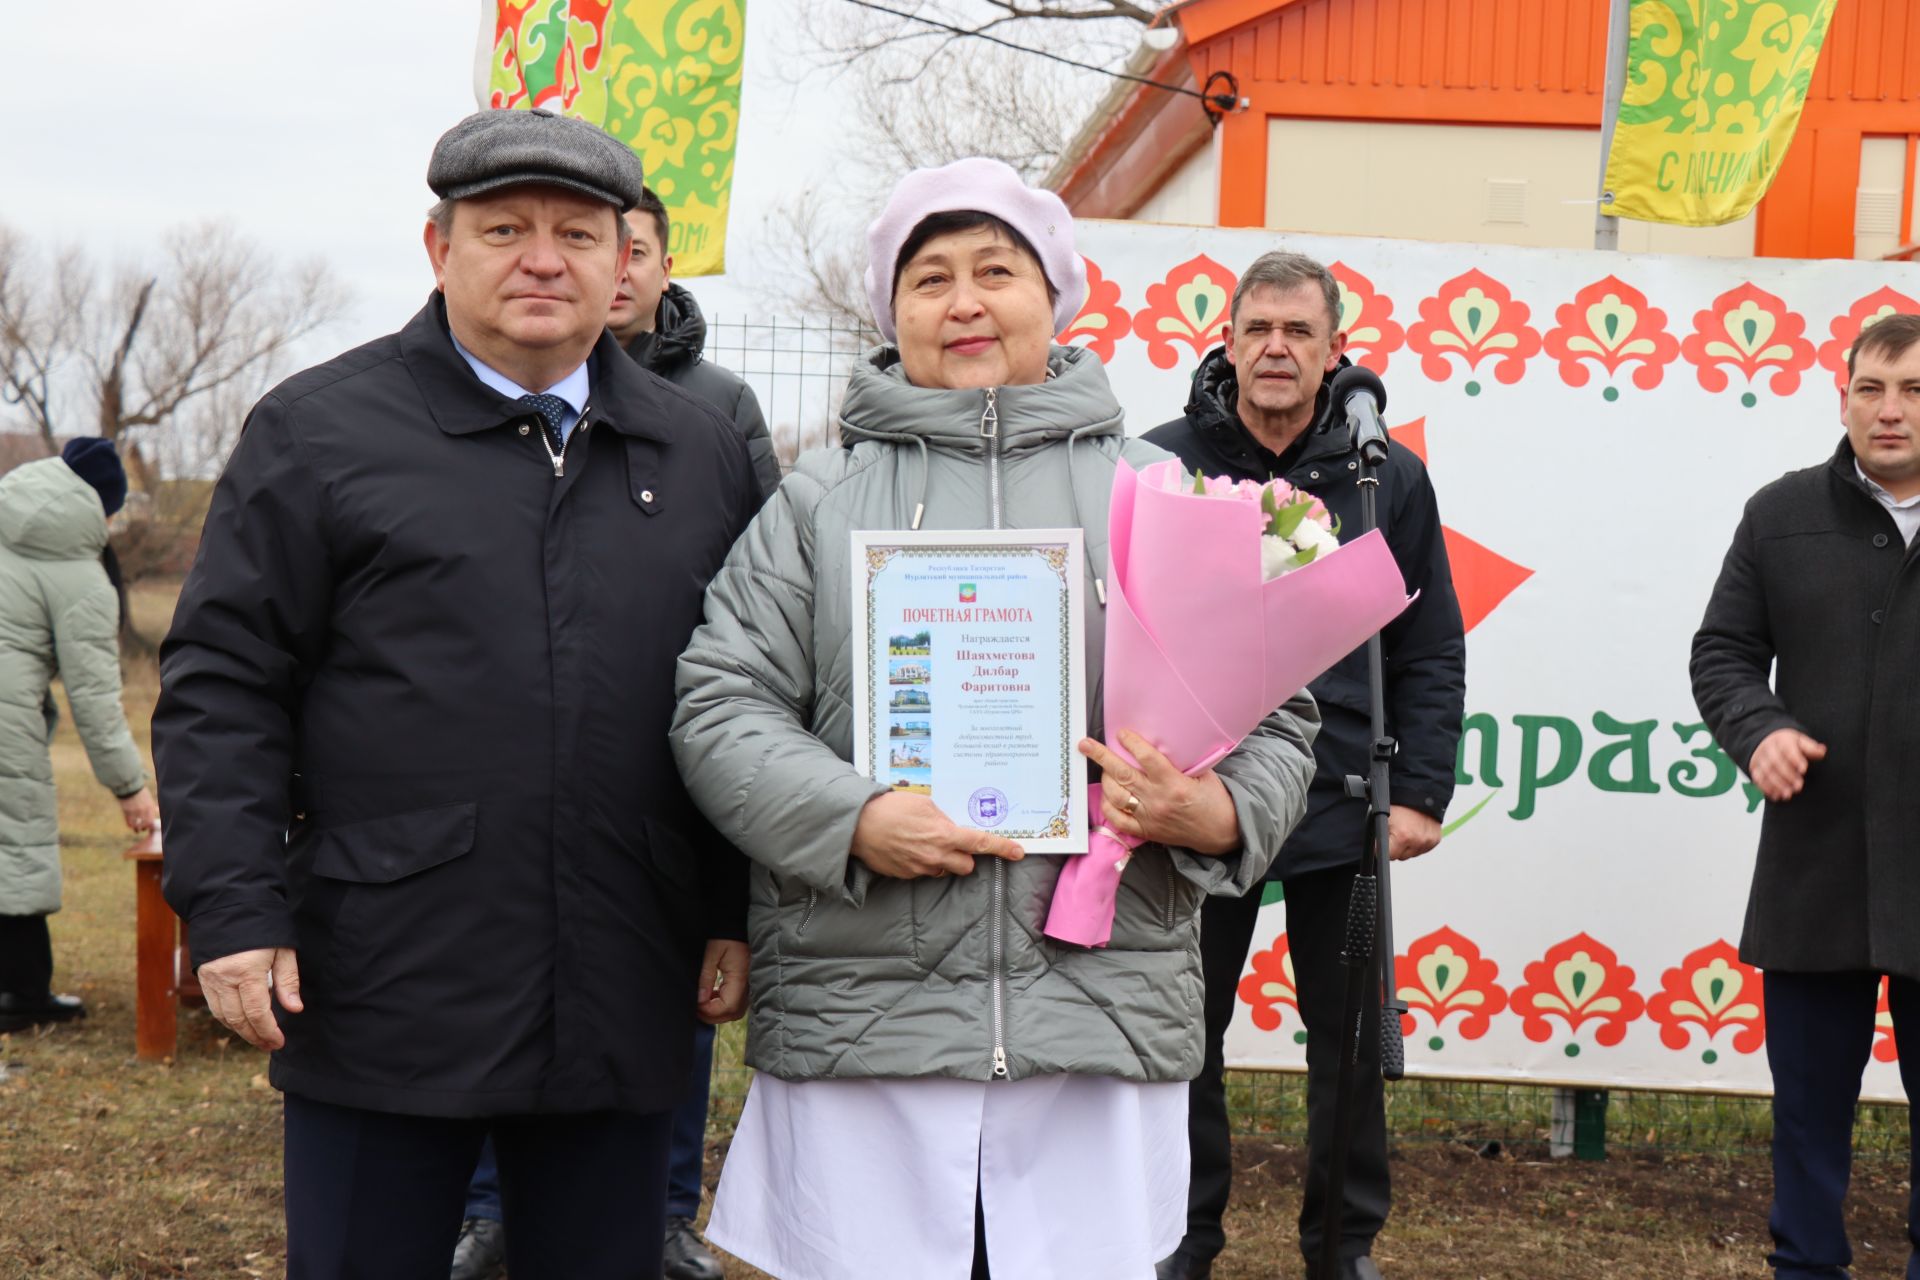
1075	401
679	335
47	512
1213	409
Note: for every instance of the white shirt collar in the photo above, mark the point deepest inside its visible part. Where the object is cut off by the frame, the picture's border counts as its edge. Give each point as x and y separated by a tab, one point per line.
573	388
1886	499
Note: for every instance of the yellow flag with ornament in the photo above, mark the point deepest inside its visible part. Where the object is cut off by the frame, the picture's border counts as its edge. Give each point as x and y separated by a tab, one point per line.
1713	94
663	76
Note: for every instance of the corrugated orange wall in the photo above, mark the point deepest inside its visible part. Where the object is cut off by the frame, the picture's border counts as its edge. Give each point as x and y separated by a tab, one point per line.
1534	62
1522	47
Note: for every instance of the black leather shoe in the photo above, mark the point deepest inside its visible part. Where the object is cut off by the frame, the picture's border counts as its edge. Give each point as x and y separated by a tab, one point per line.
17	1014
1360	1268
1177	1266
687	1256
481	1251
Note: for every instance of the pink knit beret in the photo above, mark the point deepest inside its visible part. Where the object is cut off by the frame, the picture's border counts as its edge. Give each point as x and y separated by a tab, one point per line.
976	185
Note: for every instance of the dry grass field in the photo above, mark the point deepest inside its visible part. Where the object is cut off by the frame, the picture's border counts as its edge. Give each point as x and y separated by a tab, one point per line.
111	1168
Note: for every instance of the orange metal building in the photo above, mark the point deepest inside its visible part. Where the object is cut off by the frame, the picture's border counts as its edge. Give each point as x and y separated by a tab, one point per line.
1846	188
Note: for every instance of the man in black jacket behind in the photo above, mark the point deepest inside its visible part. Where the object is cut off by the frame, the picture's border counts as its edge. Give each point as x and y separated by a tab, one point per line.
660	325
1258	410
1821	592
424	824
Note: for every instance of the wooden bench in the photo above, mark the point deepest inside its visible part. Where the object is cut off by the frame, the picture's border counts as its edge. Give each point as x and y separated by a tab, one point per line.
165	974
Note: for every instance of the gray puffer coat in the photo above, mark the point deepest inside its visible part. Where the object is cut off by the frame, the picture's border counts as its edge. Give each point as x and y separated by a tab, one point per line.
58	616
860	975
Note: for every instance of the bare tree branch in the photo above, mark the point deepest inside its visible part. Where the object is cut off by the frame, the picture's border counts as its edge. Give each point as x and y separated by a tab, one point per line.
914	112
219	313
1097	31
818	270
112	379
211	323
41	316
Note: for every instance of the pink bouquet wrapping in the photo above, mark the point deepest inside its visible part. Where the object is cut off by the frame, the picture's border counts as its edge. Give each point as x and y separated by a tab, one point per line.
1224	600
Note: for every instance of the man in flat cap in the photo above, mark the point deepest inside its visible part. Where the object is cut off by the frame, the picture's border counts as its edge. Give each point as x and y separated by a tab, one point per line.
425	828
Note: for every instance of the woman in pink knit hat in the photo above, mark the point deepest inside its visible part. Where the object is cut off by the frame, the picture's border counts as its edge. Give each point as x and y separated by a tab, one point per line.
943	1092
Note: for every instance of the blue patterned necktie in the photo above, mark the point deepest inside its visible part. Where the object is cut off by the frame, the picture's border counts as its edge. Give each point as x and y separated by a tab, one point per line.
553	411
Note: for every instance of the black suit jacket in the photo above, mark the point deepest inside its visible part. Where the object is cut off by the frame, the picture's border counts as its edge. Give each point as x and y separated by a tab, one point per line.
1819	586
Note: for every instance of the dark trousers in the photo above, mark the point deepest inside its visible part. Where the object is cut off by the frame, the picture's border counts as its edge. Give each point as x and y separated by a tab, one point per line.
375	1196
1819	1034
1316	905
26	957
688	1147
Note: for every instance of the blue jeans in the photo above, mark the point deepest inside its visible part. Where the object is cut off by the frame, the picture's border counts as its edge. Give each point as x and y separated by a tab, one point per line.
686	1148
1819	1034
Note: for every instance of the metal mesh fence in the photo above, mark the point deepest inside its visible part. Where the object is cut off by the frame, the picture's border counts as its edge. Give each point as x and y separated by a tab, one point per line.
798	369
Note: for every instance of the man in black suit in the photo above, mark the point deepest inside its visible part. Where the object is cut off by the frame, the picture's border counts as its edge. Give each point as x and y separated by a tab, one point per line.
412	738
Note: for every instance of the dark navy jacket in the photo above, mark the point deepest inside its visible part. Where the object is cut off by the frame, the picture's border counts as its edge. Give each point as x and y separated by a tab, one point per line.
413	723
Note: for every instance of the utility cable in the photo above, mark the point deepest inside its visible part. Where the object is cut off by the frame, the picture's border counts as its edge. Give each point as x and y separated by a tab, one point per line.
1217	104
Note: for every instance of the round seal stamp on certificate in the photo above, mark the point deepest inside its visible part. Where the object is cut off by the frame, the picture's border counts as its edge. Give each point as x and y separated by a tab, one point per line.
987	807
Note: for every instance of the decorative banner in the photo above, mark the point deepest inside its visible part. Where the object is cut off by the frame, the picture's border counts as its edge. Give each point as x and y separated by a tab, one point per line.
1594	423
1712	98
663	76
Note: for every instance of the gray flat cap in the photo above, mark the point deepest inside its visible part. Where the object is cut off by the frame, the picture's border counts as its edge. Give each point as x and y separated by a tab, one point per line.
493	149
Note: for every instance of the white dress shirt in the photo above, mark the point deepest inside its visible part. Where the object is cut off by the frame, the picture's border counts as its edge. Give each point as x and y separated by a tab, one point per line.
573	388
1905	514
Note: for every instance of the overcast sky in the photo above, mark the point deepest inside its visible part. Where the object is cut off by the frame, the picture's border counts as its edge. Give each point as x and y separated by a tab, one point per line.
307	126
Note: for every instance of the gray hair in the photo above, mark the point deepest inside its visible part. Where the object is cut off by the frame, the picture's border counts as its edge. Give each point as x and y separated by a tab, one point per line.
1282	270
441	216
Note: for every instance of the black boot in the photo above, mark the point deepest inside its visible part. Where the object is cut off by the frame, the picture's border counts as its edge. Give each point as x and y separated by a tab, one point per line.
687	1256
1177	1266
18	1013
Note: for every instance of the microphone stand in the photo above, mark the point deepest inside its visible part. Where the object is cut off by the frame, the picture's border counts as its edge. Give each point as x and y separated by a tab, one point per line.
1370	908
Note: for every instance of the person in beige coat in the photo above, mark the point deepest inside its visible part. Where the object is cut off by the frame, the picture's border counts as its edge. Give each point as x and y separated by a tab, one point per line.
59	616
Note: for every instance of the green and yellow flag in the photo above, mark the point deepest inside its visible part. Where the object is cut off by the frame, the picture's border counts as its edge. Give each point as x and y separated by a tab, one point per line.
661	75
1713	95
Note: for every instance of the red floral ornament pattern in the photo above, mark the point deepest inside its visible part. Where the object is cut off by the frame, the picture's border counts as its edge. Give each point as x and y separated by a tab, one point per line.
1862	315
1270	985
1190	306
1103	321
1712	989
1444	974
1884	1048
1611	323
1366	317
1752	331
1475	318
1578	981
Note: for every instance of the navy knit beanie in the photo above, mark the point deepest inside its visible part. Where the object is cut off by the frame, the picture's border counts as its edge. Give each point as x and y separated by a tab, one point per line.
93	459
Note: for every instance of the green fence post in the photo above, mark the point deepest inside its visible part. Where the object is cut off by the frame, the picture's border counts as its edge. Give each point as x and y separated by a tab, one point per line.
1590	1124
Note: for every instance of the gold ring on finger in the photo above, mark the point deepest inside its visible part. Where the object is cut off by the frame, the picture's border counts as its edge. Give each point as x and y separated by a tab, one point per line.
1132	806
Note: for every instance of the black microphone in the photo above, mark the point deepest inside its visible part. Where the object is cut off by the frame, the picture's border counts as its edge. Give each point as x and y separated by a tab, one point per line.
1358	391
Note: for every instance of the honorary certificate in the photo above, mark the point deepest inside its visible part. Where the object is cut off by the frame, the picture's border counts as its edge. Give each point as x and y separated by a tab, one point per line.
969	677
